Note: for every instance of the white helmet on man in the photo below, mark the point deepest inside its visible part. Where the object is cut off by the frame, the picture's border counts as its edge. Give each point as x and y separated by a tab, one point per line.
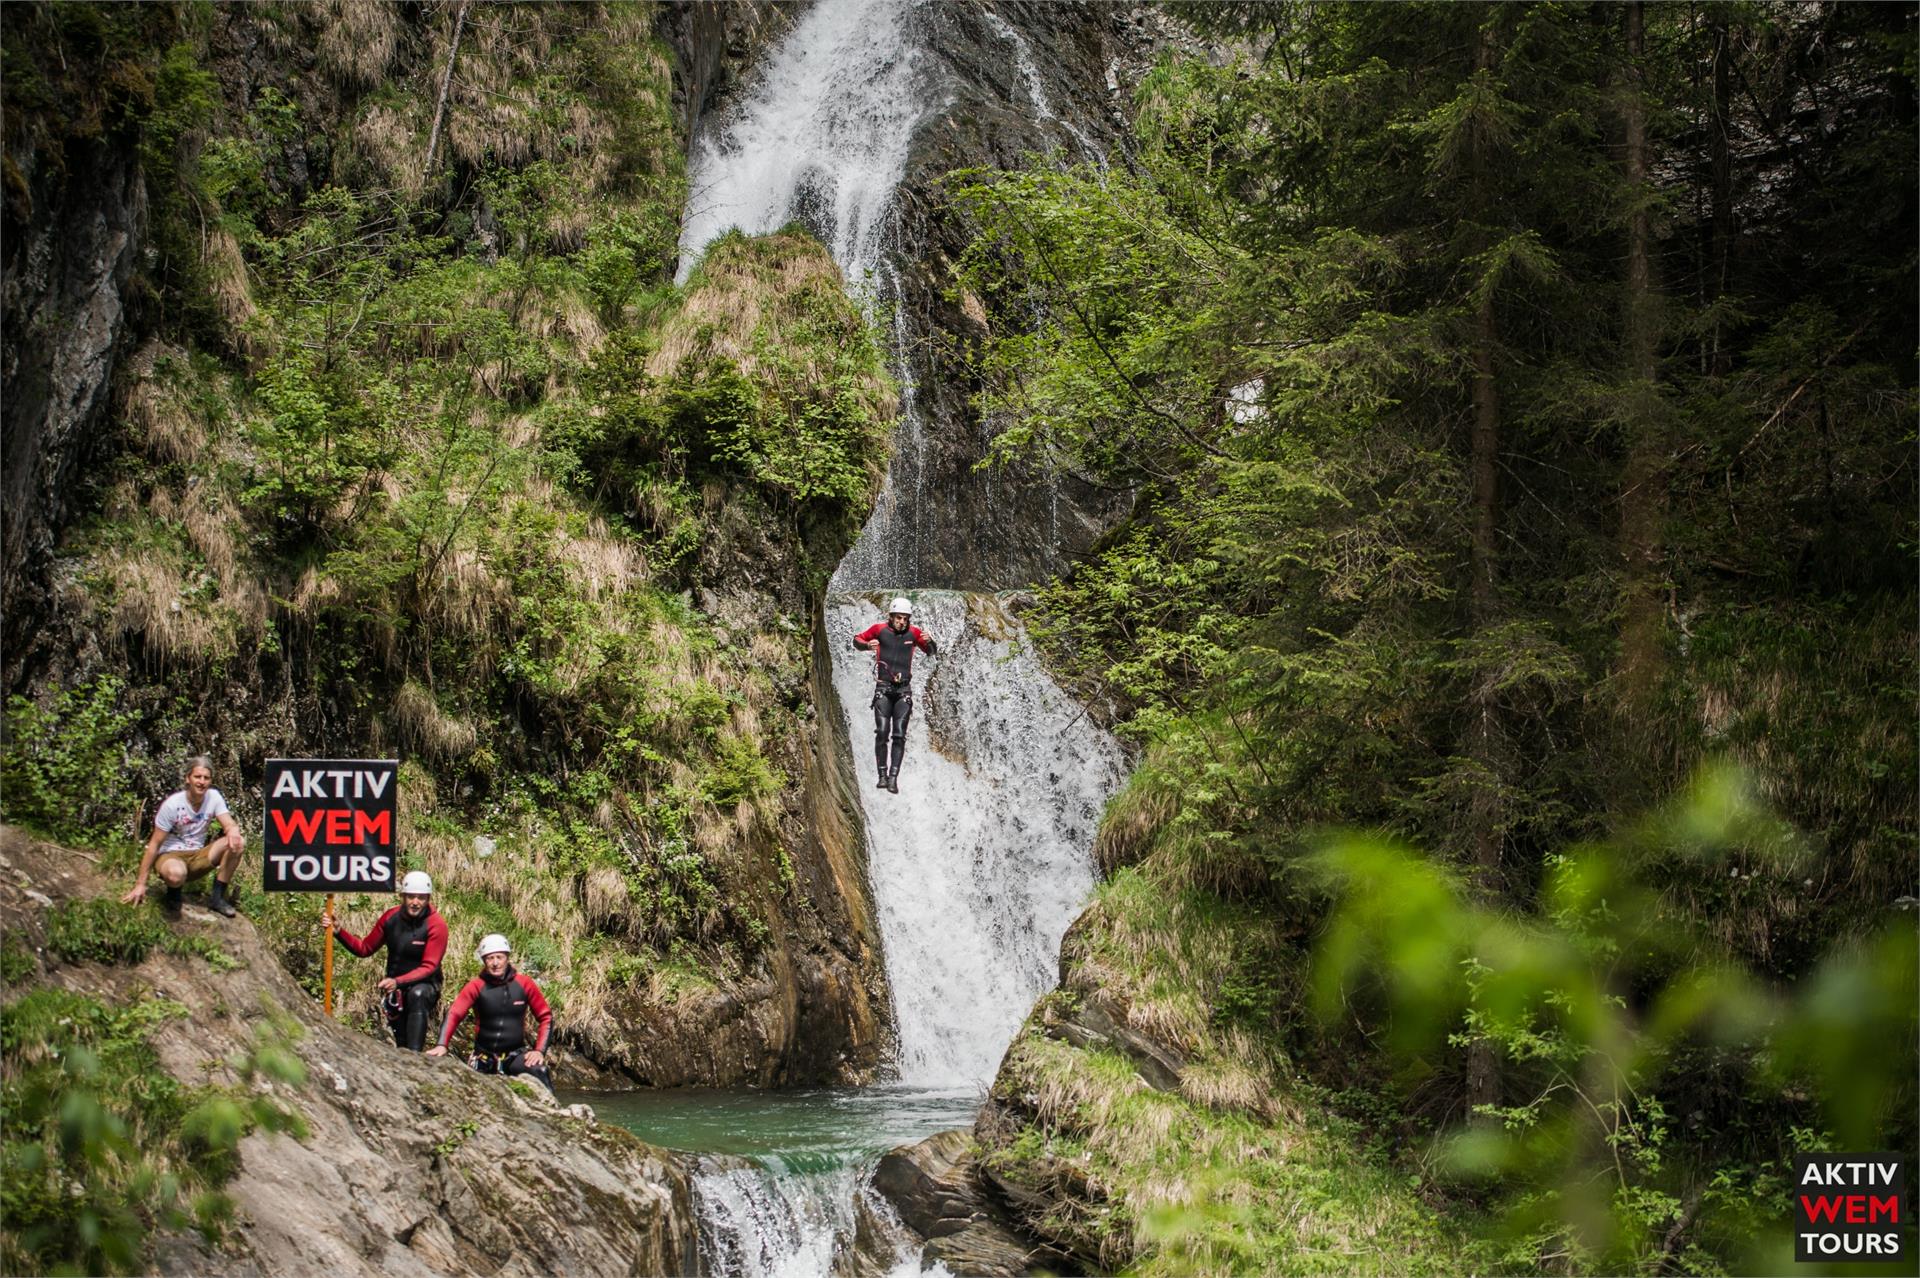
416	884
900	604
493	944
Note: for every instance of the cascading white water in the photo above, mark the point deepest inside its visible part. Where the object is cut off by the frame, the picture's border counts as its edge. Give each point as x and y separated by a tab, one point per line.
1036	91
768	1222
822	137
984	857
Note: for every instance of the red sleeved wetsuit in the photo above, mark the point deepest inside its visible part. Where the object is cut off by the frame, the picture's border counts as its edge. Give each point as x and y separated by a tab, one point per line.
414	947
894	662
500	1006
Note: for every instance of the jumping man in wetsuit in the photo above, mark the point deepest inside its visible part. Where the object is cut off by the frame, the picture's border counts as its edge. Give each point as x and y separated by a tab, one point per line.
416	939
892	643
501	998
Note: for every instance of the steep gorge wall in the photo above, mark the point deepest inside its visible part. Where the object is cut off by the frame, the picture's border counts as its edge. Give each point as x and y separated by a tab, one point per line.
149	562
1012	85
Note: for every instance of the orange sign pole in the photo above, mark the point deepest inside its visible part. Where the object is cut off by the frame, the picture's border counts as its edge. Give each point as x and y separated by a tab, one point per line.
326	962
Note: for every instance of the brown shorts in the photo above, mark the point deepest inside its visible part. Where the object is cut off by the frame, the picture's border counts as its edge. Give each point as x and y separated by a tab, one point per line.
198	861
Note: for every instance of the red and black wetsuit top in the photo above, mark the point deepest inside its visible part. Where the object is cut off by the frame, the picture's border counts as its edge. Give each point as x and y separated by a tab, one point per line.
414	946
500	1005
895	658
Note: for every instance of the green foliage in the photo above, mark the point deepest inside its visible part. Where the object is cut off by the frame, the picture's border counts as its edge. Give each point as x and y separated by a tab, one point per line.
102	1145
16	962
457	1137
1336	285
1602	1005
65	767
102	930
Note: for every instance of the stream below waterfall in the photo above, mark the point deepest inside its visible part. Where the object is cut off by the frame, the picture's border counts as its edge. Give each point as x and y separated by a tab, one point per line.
780	1175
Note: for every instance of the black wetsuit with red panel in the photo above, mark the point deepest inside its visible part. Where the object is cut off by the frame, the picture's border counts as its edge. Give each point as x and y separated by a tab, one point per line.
893	689
500	1005
415	946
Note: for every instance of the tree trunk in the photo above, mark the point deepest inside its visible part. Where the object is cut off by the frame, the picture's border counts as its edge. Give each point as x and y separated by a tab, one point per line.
446	84
1483	737
1643	486
1720	149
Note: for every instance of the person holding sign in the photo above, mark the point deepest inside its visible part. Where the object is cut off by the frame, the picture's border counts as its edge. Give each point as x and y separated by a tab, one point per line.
500	999
416	939
179	842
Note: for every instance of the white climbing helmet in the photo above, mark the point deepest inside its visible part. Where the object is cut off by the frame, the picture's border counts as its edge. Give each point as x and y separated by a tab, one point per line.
900	604
416	884
493	944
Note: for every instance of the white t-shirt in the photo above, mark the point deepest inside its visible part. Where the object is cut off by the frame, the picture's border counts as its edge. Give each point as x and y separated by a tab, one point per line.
186	830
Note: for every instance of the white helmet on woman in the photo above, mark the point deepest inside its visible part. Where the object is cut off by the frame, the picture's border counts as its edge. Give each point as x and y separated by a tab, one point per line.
900	604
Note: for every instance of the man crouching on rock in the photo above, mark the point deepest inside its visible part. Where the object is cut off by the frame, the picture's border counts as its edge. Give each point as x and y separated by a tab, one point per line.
416	939
179	842
501	999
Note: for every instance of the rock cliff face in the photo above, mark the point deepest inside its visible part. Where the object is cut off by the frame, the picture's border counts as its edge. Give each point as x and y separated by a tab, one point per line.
412	1165
75	216
941	1195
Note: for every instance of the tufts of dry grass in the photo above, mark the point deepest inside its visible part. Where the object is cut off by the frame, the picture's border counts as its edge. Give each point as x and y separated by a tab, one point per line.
1134	819
161	418
358	40
421	725
228	283
747	291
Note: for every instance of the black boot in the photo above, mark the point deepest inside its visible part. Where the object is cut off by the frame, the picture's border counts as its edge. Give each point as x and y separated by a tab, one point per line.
882	783
171	902
893	781
217	901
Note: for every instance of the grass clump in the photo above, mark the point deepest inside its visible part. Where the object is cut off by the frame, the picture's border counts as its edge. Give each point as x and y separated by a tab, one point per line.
1156	1182
101	930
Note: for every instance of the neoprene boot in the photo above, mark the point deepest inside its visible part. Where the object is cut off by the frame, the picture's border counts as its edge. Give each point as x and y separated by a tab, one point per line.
172	901
893	782
882	783
217	901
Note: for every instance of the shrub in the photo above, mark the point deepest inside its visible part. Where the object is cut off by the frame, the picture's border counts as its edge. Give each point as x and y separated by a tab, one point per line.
102	1145
65	767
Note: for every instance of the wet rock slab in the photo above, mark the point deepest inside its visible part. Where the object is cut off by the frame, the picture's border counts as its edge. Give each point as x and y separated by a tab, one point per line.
937	1191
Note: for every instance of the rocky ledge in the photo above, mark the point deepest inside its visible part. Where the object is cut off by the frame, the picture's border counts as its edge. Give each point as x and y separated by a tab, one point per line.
411	1165
942	1199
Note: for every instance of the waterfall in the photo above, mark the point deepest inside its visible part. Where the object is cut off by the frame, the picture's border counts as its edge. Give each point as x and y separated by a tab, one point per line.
822	137
982	860
778	1222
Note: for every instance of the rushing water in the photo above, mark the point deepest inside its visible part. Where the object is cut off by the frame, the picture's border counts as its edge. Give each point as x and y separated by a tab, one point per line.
983	858
822	136
781	1199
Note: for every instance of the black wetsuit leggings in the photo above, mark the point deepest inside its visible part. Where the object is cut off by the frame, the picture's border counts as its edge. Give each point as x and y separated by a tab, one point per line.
514	1062
410	1010
892	707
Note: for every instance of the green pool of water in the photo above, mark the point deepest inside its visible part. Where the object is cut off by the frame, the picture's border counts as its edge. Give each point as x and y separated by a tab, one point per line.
802	1131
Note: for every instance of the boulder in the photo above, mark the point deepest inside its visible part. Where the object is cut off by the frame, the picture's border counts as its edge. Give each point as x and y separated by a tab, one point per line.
940	1197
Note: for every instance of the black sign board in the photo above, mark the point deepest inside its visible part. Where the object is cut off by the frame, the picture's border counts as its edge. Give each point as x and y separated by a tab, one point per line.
330	824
